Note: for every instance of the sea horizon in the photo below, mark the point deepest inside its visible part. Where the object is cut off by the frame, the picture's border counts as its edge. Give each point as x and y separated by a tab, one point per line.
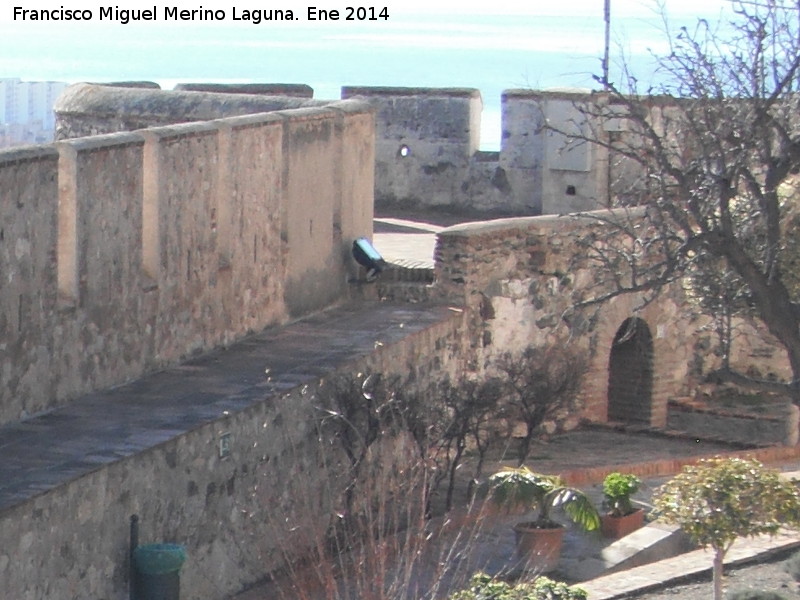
487	52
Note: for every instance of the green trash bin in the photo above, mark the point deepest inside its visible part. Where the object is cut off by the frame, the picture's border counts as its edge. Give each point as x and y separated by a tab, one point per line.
157	571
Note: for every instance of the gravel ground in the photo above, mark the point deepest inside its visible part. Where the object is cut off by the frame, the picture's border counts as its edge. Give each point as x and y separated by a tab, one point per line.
767	576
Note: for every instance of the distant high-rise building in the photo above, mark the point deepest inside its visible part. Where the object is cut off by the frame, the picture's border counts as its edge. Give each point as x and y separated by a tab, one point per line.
26	111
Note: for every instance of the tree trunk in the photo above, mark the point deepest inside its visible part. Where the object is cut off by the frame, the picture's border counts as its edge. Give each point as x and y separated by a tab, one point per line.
773	304
719	555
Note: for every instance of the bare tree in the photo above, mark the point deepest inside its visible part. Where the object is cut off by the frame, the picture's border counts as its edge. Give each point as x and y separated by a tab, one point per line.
352	519
710	157
542	382
471	407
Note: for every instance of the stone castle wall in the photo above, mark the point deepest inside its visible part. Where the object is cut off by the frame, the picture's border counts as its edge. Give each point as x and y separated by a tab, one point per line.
427	152
427	155
72	541
518	281
124	252
516	278
427	140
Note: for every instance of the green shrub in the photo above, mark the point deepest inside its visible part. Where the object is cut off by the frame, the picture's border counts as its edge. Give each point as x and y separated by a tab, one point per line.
547	589
721	499
485	587
519	486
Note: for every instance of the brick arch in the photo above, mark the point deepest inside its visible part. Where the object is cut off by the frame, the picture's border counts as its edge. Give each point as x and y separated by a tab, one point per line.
631	373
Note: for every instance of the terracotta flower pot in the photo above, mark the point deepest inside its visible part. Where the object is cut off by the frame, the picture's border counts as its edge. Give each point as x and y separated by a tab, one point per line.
541	547
617	527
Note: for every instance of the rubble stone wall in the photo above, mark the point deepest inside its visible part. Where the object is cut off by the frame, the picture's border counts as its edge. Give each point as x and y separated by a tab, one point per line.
520	286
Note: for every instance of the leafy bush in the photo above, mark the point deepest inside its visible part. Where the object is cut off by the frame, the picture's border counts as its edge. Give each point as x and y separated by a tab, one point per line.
546	589
485	587
618	489
721	499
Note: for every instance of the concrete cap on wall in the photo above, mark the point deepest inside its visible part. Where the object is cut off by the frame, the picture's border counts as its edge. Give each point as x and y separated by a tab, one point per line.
353	106
168	106
581	94
149	85
554	94
295	90
351	91
17	154
607	216
99	142
496	225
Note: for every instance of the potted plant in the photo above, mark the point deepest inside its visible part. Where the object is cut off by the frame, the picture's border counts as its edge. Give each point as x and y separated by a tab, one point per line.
622	517
541	538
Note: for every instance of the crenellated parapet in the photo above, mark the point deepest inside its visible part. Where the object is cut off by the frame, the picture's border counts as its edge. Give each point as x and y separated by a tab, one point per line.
427	151
124	252
427	140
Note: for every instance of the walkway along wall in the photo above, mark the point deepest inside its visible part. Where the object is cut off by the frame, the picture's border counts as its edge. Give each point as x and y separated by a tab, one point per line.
125	252
71	541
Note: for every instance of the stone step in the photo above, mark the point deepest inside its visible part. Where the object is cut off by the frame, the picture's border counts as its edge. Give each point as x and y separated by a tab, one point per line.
653	542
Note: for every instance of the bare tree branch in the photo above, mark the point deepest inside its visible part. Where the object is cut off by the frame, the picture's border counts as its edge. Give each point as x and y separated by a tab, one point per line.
709	158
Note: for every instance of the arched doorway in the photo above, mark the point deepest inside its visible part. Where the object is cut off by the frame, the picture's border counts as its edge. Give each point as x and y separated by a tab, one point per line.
630	373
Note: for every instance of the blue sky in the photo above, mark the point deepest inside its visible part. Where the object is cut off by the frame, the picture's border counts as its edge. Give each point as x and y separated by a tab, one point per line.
406	9
489	45
434	24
